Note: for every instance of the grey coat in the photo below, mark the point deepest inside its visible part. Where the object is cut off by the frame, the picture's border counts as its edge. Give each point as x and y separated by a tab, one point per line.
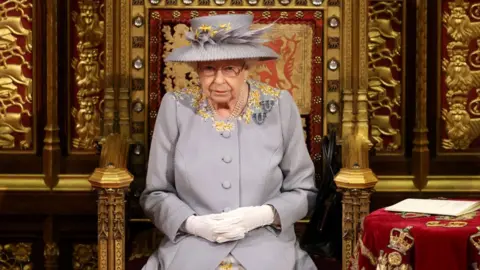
198	167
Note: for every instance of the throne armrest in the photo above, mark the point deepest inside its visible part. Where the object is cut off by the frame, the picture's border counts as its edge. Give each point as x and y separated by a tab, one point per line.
111	180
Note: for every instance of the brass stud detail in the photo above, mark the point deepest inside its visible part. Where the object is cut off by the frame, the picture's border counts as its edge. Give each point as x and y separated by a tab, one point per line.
194	14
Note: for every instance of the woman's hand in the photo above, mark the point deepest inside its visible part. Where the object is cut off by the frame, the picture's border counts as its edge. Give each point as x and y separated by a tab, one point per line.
206	226
242	220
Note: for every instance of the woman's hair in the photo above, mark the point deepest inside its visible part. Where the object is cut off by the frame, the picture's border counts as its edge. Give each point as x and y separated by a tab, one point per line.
250	64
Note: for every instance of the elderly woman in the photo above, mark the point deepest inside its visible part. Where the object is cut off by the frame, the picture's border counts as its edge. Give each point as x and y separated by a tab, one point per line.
229	173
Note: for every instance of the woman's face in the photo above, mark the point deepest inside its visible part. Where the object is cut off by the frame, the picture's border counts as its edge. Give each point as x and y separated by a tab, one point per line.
222	81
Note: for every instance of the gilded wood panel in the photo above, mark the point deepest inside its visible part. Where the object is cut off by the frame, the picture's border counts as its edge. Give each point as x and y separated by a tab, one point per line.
459	96
87	34
386	83
17	89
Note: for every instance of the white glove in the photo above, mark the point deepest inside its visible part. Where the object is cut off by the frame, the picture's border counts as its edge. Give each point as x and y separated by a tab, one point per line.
242	220
204	226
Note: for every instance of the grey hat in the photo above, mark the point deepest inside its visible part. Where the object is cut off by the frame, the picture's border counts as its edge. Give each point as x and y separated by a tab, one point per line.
223	37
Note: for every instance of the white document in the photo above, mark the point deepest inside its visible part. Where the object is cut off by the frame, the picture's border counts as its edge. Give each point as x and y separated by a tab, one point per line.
435	207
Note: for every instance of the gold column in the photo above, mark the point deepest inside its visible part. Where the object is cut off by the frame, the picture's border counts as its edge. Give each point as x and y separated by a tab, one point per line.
117	67
111	180
355	180
51	149
421	155
109	96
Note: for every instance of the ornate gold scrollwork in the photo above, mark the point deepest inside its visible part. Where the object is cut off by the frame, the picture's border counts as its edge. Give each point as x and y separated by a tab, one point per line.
85	256
89	73
461	129
474	105
15	73
16	256
384	83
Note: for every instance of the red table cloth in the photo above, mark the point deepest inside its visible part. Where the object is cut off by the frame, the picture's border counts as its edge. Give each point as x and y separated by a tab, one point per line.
402	241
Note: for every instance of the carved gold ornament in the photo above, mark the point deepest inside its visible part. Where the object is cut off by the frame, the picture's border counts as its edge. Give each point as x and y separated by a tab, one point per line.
355	209
89	73
16	92
51	253
384	73
85	257
460	80
16	256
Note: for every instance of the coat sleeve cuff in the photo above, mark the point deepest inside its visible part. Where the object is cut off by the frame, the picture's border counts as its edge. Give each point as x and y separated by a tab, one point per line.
283	215
173	231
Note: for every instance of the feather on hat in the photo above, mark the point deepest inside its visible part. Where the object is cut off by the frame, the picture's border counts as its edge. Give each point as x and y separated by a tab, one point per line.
223	37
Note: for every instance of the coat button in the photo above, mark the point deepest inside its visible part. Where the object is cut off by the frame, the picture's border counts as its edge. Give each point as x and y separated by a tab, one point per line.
226	134
227	159
226	185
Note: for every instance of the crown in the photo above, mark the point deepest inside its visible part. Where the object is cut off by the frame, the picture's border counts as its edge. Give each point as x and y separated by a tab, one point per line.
458	99
457	49
85	4
458	4
401	240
